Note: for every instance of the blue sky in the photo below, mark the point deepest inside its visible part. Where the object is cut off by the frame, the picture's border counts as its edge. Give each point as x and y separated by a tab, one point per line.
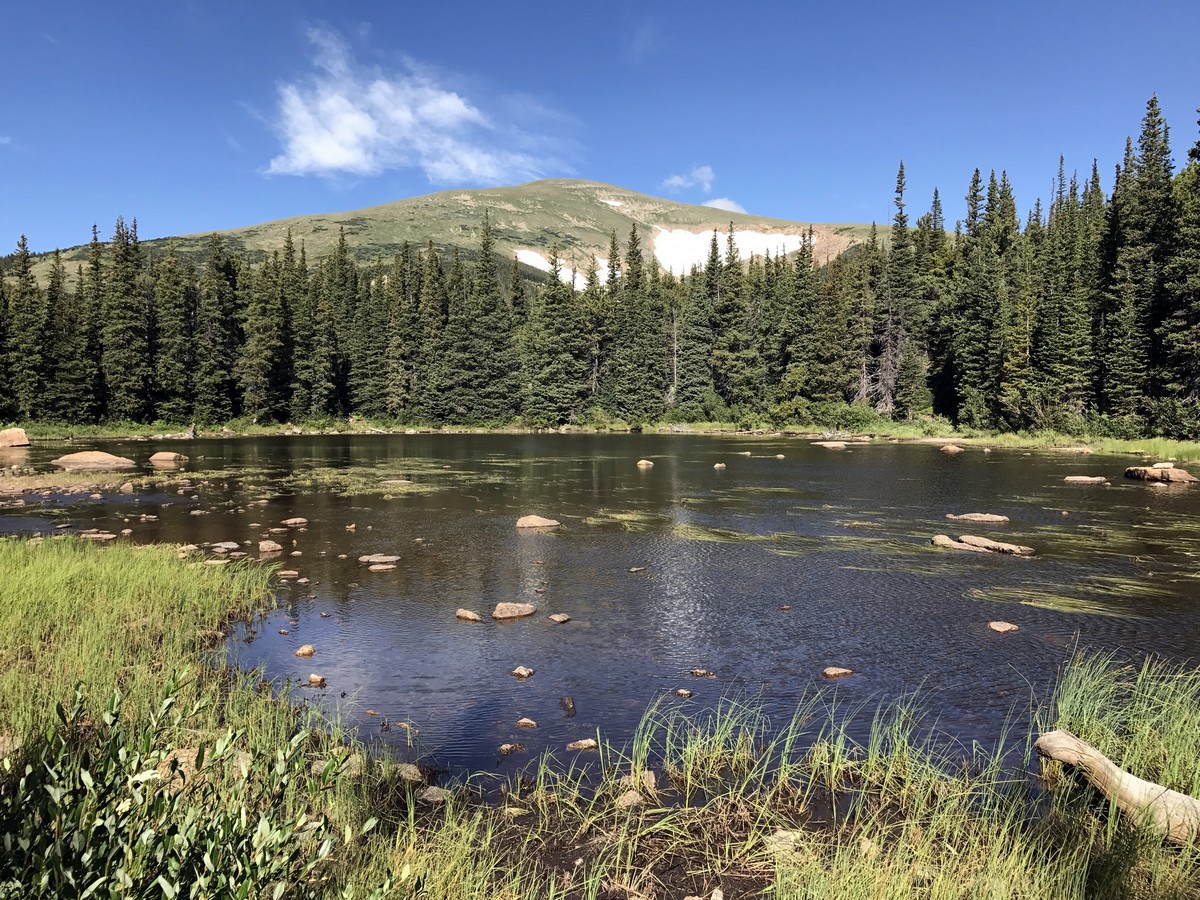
194	116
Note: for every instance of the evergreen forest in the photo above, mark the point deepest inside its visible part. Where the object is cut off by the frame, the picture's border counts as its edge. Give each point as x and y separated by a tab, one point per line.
1081	316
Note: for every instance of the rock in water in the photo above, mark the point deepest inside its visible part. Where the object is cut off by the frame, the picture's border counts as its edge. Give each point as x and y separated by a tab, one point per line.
537	522
836	671
718	466
526	722
315	680
1003	627
584	744
996	546
295	522
952	449
830	445
1086	479
467	616
513	610
92	461
14	437
1168	476
269	547
306	651
568	705
167	458
990	518
559	618
522	672
645	464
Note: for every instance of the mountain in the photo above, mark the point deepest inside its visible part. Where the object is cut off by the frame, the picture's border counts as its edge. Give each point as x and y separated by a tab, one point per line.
528	220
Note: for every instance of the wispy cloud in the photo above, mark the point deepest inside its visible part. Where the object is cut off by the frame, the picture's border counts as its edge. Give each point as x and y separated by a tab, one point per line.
5	140
700	176
347	118
724	203
640	41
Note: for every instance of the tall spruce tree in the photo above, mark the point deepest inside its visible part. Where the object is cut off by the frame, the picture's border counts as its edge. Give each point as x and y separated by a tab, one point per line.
555	354
216	337
1181	329
175	363
125	335
27	319
494	365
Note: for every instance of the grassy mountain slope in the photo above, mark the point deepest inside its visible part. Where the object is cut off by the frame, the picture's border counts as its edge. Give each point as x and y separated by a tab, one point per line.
578	216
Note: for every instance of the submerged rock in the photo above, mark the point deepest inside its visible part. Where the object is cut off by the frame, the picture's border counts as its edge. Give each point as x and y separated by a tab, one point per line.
952	449
92	460
568	706
703	673
537	522
830	445
467	615
513	610
383	558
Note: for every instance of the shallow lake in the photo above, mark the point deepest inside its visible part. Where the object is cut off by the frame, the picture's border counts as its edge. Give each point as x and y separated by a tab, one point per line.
839	537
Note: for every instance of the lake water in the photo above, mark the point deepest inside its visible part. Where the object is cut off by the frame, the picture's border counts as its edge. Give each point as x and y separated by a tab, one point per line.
840	537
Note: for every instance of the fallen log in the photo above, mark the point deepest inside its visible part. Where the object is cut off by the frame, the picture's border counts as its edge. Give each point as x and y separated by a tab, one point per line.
1169	813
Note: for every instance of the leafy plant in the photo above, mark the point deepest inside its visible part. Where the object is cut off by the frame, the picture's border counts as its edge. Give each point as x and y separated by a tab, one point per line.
108	807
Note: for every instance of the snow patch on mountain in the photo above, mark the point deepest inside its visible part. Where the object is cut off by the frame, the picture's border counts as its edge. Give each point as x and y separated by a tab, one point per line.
678	249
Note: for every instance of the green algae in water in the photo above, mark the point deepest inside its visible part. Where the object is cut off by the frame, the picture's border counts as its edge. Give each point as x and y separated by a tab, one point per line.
692	532
629	520
1045	599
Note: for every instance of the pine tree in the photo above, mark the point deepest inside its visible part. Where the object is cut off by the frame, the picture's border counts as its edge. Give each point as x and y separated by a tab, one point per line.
495	367
368	364
429	375
70	375
694	390
1182	282
215	338
125	338
261	368
175	362
26	335
638	366
555	355
402	292
7	406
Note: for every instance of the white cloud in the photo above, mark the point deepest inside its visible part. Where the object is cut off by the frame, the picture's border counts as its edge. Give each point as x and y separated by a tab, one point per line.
700	176
359	120
724	203
5	140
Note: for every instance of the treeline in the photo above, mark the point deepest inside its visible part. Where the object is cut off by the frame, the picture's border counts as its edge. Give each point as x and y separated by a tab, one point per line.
1085	317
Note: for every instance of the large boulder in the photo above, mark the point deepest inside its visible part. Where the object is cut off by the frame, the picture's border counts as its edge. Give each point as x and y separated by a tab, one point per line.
1167	476
93	461
537	522
13	437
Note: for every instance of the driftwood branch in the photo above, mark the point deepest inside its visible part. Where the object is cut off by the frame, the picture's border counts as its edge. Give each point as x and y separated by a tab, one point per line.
1169	813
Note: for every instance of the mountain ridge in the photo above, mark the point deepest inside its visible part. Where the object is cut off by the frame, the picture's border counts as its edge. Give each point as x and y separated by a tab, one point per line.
528	221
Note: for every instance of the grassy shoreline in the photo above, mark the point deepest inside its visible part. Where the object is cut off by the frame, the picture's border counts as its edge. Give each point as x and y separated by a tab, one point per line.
792	809
902	432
